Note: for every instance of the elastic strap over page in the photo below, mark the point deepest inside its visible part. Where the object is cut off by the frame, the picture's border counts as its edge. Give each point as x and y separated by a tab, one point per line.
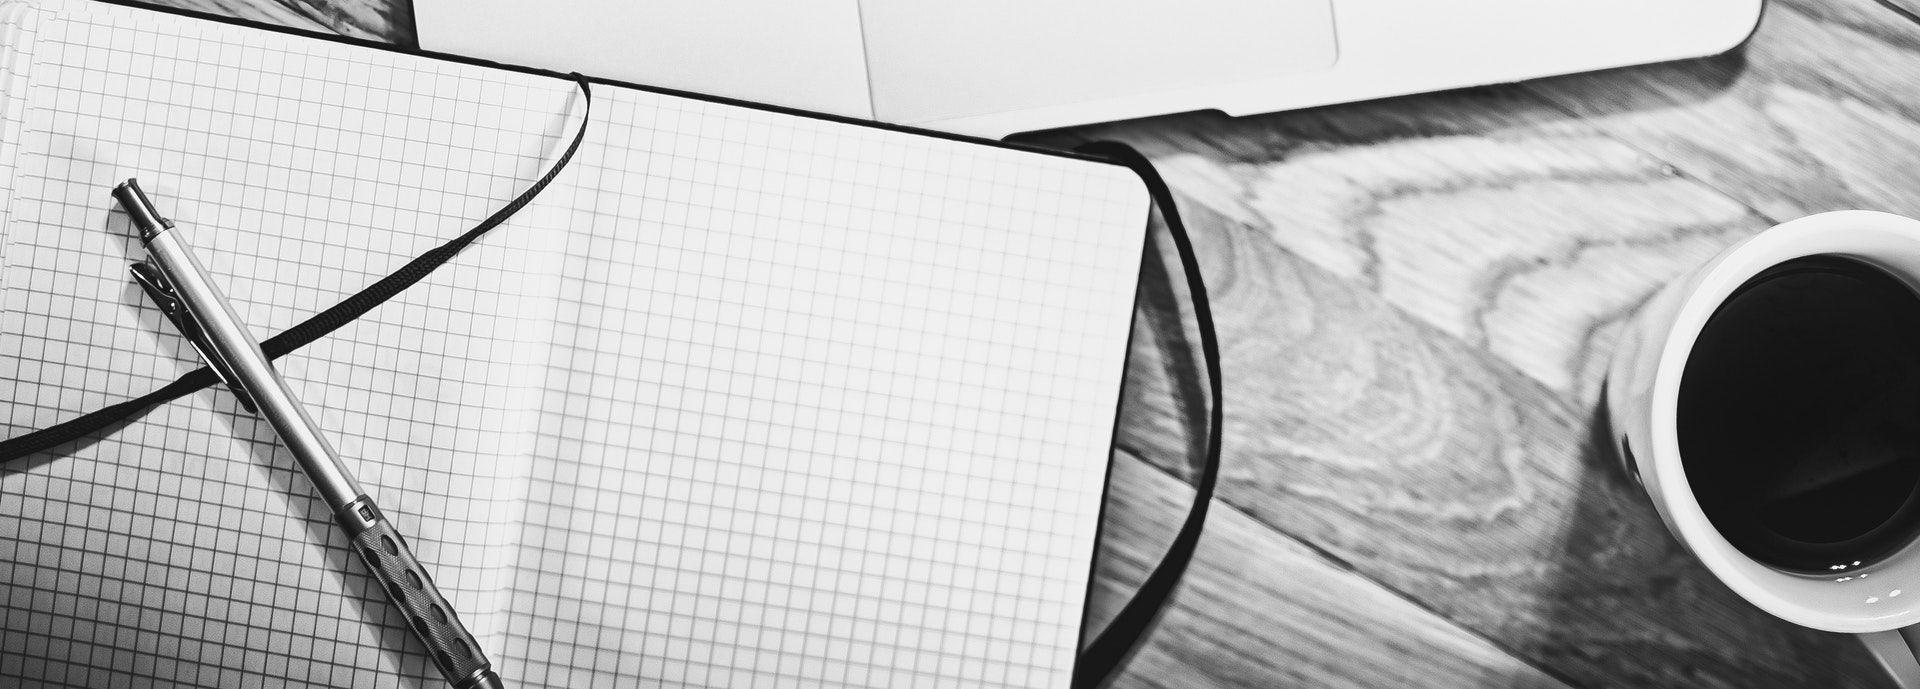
1102	658
313	328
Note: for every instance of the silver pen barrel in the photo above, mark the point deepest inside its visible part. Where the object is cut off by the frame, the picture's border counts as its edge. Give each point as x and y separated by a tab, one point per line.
230	348
229	339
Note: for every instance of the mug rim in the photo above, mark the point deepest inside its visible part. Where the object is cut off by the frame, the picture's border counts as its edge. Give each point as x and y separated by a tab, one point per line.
1853	234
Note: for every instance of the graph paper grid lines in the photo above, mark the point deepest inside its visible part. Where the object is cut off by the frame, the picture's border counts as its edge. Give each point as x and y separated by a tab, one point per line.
742	399
826	437
301	170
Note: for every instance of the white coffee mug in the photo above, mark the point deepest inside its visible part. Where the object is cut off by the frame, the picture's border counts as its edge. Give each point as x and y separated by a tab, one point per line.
1880	602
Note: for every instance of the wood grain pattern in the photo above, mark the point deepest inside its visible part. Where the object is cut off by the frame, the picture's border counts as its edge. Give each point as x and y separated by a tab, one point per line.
1305	622
390	21
1436	468
1821	111
1387	427
1523	235
1491	216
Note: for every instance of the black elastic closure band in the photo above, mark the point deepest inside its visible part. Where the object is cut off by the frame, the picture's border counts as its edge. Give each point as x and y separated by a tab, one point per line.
1102	658
313	328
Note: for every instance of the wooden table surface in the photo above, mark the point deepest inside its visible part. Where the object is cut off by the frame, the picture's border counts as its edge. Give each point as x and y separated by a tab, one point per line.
1416	299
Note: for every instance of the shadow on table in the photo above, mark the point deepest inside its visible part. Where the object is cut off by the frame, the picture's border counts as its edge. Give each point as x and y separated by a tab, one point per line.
1620	564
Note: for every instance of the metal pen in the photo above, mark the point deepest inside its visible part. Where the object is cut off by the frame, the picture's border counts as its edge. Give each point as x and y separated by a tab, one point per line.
177	282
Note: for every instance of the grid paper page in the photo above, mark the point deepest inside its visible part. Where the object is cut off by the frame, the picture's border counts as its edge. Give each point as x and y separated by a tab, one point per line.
828	406
186	547
743	400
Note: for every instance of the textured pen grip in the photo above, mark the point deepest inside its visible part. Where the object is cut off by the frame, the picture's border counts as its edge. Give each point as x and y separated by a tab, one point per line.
453	649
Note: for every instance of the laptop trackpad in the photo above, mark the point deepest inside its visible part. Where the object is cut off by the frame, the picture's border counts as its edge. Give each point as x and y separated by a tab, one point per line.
938	59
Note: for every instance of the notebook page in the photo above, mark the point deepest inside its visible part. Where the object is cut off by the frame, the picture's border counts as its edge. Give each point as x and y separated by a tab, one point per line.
829	406
185	547
823	404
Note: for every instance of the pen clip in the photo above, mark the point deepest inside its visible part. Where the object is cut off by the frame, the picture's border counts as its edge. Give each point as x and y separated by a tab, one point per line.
155	284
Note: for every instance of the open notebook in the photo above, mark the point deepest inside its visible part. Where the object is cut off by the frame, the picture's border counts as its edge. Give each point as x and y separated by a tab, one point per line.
744	399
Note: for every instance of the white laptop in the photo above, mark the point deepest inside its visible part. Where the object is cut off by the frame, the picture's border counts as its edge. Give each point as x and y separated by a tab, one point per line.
995	67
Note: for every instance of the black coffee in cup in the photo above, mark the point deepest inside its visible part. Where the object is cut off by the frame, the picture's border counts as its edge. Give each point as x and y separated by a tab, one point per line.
1799	416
